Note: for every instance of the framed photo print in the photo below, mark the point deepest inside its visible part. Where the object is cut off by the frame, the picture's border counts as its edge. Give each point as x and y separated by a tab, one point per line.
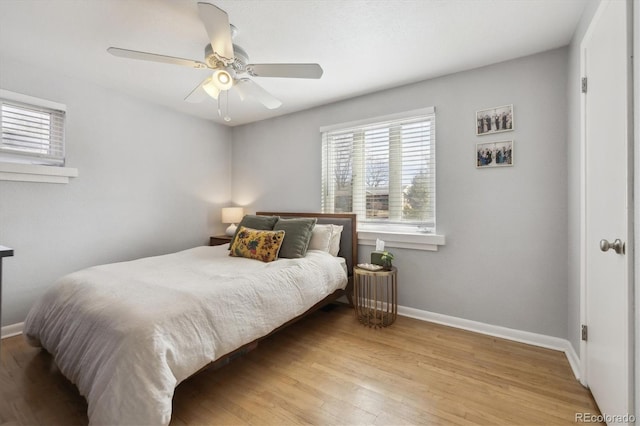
494	120
494	154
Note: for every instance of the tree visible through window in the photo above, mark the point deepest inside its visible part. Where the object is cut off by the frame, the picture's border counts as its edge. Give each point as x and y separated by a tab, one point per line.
383	170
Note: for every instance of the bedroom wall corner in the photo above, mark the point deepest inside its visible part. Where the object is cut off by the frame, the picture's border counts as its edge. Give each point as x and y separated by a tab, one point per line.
151	182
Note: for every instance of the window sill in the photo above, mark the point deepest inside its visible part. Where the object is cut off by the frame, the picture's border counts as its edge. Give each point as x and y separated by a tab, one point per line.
428	242
35	173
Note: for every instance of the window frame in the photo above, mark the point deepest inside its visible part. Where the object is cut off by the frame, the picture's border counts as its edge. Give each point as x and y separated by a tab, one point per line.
24	168
401	235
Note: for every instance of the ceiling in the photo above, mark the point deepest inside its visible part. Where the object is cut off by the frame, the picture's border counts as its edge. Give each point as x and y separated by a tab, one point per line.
363	45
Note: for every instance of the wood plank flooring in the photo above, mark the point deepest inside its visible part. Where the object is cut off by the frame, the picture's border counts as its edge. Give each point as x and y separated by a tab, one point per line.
328	369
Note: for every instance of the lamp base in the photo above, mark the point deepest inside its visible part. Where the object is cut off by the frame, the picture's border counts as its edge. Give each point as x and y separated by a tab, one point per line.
231	230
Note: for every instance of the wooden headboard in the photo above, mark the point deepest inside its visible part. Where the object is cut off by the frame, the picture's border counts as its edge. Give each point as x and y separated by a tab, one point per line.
348	240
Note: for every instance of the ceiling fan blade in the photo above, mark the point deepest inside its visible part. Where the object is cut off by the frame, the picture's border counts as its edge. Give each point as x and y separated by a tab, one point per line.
216	22
198	94
249	88
285	70
144	56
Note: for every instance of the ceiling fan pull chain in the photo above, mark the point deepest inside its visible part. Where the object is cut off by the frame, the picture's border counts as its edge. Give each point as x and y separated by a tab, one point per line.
226	96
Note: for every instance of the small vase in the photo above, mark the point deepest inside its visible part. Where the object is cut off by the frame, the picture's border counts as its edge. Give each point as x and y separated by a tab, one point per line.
387	266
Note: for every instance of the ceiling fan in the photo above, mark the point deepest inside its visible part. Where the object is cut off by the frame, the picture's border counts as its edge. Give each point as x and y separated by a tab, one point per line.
229	62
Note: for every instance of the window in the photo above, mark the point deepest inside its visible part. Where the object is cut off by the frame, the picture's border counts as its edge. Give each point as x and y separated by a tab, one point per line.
32	140
32	130
383	170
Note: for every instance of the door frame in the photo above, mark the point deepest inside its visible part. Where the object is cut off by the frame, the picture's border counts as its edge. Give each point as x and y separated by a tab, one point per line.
634	336
636	179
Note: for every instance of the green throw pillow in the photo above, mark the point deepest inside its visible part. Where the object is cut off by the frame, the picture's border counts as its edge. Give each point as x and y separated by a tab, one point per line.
297	234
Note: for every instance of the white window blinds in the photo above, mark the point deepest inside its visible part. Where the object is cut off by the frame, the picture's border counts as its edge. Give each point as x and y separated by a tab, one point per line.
384	170
31	133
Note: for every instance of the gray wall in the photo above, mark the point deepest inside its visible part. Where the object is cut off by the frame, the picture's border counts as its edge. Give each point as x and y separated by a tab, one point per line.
505	261
573	175
151	182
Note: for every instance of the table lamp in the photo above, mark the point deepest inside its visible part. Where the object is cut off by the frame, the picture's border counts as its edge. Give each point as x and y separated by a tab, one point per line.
232	215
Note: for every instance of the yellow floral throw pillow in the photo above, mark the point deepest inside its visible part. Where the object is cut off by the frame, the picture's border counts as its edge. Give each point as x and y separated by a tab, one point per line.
255	244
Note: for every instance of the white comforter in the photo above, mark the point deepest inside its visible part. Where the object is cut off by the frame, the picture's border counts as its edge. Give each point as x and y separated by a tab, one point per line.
128	333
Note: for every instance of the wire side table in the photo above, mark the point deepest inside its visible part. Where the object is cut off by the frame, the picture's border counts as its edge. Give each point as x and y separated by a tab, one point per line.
375	295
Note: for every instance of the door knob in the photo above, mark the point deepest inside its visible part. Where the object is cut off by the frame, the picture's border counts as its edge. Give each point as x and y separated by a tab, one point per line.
617	246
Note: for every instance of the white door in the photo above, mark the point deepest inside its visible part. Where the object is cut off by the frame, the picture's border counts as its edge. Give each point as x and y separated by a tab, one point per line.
606	60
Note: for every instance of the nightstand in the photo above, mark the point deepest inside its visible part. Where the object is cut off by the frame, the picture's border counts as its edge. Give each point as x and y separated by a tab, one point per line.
375	295
218	240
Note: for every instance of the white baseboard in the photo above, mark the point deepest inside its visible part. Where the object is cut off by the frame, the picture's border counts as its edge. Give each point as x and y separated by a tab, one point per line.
527	337
11	330
574	361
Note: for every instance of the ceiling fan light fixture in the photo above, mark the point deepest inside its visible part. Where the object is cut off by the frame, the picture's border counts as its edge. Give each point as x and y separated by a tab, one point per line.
210	87
222	80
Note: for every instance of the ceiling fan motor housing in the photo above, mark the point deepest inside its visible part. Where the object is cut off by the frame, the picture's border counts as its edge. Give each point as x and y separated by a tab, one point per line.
239	63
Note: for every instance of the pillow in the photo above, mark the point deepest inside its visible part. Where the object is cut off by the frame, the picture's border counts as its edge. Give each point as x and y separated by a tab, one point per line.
257	244
297	236
321	237
263	223
334	246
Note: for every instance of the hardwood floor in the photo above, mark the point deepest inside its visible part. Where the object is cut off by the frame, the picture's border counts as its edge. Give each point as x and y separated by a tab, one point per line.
329	369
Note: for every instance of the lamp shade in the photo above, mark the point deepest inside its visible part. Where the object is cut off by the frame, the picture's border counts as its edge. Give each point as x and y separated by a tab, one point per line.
232	214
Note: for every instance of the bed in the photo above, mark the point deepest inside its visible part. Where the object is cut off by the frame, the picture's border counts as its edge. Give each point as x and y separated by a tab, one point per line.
126	334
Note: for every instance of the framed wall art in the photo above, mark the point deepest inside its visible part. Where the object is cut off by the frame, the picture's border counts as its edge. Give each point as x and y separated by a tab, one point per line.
494	120
494	154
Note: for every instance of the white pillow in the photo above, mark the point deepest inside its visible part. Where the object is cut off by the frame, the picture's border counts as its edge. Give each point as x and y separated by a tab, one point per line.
321	238
334	246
